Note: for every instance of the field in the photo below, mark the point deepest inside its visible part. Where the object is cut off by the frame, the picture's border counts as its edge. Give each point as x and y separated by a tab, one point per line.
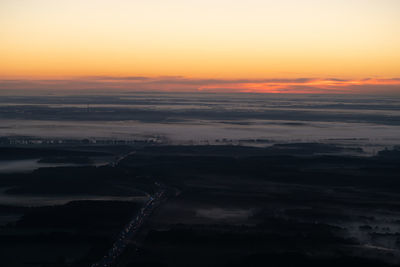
306	204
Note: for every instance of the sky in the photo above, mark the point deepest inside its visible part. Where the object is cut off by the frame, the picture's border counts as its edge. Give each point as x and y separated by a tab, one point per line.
300	46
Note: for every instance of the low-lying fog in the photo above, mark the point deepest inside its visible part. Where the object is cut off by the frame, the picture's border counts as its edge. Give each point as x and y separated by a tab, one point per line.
32	200
203	118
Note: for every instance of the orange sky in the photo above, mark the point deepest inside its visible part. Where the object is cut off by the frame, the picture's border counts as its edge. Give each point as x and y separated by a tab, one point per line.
331	46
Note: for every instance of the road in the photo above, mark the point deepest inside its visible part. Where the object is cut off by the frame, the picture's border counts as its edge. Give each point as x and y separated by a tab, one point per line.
130	230
115	162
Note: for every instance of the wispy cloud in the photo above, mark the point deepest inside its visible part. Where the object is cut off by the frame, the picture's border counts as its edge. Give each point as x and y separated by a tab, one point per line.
186	84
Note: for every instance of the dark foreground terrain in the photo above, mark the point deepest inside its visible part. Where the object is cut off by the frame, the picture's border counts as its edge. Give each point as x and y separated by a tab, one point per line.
284	205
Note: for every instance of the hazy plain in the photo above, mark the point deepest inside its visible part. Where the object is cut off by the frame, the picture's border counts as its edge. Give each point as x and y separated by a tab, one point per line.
198	118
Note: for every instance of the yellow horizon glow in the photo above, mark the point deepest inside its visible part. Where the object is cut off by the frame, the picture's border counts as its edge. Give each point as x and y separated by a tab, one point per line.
351	39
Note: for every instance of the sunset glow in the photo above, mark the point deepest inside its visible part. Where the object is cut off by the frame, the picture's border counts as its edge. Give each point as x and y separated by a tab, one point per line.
284	46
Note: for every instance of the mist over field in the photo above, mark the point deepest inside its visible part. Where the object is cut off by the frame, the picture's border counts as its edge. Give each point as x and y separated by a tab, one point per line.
213	133
177	118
